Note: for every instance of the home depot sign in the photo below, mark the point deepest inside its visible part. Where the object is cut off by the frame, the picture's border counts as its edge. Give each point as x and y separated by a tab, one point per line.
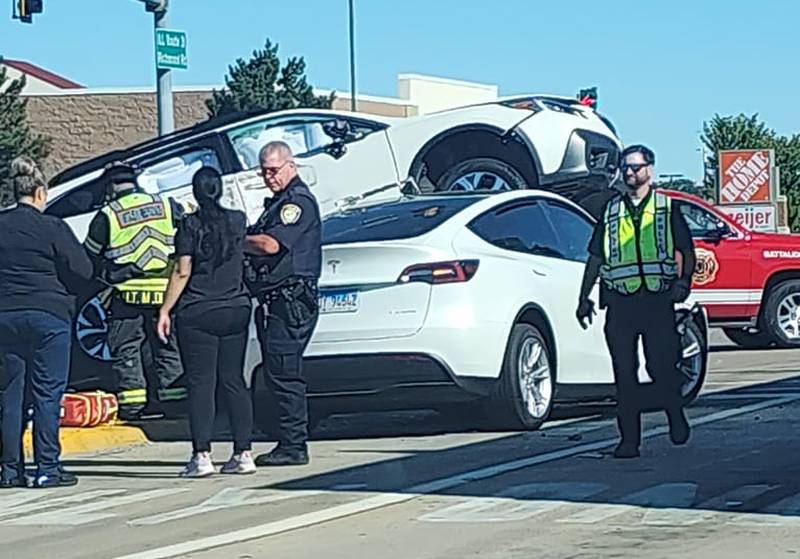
746	176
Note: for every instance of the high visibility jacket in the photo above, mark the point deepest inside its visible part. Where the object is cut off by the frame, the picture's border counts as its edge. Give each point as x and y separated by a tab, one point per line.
639	249
141	231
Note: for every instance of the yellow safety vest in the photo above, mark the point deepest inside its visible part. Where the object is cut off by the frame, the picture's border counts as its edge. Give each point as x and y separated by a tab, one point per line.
141	231
646	255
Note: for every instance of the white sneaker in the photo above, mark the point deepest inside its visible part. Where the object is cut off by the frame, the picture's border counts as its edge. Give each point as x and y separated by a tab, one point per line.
199	466
240	464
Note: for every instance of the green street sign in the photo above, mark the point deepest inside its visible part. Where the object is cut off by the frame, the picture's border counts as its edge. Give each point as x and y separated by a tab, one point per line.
171	50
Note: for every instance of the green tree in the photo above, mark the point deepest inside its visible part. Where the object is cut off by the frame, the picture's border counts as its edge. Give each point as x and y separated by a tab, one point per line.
16	137
748	132
261	83
688	186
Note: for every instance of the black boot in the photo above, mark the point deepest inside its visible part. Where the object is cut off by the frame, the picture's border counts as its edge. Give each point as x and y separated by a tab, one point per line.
284	456
679	429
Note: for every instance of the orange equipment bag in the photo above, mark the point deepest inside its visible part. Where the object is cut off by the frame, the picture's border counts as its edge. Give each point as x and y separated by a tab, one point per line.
88	409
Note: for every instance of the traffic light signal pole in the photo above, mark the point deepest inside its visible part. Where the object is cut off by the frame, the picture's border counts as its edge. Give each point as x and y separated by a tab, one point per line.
166	118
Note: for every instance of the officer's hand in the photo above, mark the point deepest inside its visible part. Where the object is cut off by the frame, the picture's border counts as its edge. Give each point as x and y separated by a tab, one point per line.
680	291
585	312
164	327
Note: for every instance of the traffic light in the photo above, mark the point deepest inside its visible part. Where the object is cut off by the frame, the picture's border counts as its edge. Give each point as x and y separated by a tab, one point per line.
588	97
26	9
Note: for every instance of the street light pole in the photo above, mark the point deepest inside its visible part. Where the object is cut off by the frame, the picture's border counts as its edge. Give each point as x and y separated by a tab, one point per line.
352	60
166	118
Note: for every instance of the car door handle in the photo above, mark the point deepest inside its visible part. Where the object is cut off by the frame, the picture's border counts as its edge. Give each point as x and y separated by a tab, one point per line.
538	272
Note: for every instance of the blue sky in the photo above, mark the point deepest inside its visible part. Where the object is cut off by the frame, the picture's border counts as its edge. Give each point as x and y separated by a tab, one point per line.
661	67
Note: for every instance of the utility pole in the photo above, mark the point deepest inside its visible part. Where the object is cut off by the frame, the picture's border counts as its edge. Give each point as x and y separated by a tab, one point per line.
166	111
352	60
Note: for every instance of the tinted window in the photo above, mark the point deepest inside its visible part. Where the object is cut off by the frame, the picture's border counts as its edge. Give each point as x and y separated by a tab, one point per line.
397	220
573	229
700	221
521	228
87	198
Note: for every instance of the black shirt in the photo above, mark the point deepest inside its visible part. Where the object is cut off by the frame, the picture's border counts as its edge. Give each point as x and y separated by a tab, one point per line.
42	264
213	284
682	237
293	219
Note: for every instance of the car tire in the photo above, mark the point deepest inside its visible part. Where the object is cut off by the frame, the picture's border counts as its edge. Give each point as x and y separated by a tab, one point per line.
450	179
694	359
783	301
748	340
510	407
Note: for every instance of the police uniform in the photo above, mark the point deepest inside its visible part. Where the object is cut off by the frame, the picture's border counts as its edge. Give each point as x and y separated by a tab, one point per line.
286	287
640	277
132	241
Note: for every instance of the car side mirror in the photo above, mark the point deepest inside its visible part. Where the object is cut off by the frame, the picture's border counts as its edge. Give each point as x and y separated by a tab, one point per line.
410	187
722	231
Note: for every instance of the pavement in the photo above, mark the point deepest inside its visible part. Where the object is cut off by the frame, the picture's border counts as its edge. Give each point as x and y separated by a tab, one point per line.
418	484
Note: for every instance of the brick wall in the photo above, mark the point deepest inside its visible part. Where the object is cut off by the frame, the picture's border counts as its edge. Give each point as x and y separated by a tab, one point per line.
85	125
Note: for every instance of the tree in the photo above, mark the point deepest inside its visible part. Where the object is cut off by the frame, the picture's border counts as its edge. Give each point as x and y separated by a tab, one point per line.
747	132
261	83
16	137
688	186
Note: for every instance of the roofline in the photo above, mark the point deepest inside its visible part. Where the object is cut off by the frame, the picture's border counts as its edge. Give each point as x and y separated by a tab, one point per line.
448	81
40	73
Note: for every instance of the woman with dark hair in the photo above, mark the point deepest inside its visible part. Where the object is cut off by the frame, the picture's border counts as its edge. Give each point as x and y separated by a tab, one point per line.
212	316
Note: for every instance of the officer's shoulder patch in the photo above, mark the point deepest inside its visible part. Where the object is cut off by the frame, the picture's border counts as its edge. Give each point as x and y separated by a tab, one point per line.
290	214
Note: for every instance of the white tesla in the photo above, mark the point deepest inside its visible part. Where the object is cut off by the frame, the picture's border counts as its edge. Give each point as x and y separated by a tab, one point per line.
434	300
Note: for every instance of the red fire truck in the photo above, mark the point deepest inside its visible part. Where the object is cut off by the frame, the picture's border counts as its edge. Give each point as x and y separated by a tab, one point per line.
748	282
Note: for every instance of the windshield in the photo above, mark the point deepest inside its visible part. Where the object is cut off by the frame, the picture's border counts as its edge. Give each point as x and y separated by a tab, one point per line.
396	220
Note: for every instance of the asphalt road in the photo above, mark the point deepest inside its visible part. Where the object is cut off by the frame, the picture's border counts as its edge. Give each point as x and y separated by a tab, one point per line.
410	485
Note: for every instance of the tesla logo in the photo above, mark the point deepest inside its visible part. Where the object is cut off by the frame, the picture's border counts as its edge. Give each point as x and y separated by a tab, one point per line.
333	264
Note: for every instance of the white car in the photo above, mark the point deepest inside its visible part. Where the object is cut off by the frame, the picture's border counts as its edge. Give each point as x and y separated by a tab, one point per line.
434	300
550	142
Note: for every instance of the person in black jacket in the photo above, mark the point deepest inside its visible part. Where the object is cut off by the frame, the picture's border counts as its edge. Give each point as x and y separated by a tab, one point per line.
213	309
41	265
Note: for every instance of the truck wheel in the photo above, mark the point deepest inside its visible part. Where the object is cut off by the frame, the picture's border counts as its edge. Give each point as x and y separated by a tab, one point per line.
782	314
748	340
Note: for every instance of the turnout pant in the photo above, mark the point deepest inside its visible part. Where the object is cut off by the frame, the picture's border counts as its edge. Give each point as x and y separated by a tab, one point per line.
283	341
213	346
651	317
132	334
36	349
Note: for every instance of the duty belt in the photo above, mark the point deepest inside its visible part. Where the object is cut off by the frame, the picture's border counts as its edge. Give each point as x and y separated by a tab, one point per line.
282	291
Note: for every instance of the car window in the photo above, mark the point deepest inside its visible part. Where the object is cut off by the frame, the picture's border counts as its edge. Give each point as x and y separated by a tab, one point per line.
574	230
391	221
701	222
521	228
168	171
304	135
87	198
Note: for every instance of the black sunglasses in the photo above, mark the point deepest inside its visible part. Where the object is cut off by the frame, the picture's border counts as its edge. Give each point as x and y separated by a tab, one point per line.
635	167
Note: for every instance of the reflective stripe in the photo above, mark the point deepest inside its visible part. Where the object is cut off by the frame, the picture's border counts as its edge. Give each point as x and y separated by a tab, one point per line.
135	396
93	246
172	394
665	269
137	241
661	226
612	230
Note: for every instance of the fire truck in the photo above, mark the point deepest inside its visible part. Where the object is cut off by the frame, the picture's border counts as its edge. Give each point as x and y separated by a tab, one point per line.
748	281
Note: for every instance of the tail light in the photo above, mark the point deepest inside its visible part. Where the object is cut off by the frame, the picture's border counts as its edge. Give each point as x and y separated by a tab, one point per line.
440	272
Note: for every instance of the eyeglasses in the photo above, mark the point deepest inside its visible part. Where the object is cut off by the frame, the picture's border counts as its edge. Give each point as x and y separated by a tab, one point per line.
272	170
635	167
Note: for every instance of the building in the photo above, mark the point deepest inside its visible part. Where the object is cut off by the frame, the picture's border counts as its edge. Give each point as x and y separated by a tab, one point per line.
84	121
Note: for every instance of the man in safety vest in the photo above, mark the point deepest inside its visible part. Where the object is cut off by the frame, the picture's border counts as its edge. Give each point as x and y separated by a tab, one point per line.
643	253
131	240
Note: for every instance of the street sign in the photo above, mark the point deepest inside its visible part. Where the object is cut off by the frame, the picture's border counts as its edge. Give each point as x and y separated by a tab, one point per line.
171	50
746	176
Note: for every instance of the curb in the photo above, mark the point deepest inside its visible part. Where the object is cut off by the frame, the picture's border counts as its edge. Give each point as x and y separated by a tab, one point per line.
77	440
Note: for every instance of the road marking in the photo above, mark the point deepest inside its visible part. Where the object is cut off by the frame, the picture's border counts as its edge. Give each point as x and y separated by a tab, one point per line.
514	503
673	495
227	498
784	513
84	514
388	499
38	504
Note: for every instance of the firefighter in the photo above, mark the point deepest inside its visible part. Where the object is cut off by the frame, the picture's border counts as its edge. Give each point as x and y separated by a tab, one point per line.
131	240
635	249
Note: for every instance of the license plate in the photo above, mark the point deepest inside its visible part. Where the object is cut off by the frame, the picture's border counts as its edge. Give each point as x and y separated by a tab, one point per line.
338	301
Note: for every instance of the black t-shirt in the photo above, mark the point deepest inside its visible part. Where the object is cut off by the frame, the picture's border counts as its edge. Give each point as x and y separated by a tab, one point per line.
682	237
213	284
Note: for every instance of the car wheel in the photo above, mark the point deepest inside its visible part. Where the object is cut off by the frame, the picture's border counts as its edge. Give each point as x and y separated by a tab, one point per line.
748	340
694	358
481	174
781	316
523	398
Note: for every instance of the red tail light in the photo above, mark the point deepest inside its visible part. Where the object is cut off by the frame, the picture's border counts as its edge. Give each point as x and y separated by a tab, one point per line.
440	272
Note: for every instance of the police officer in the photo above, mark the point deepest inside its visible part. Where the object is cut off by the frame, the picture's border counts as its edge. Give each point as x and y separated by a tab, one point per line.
286	257
635	250
131	240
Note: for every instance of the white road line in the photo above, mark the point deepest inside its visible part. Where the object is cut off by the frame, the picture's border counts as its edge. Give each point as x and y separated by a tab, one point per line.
387	499
54	502
662	495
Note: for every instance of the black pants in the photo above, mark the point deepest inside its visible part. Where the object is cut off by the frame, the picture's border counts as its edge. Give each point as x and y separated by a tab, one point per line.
653	318
132	333
282	347
213	346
